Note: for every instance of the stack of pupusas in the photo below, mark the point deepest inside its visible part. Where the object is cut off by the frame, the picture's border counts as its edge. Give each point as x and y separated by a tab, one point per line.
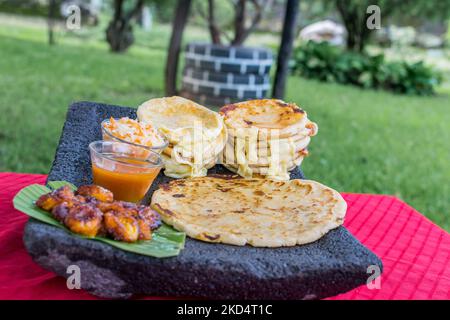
196	134
266	138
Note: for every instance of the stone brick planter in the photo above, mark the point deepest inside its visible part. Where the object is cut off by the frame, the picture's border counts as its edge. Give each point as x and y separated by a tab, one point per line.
216	75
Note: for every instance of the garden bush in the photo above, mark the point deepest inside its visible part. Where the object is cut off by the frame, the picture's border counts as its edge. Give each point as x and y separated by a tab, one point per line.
24	7
333	64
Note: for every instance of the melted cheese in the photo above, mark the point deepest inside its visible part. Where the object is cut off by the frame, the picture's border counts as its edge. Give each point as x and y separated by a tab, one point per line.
194	150
246	153
280	151
246	150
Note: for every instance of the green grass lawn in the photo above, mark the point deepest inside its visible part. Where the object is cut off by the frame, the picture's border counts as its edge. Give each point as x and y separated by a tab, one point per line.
368	141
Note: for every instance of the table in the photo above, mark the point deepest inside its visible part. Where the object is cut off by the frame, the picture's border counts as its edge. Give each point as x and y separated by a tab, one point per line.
415	252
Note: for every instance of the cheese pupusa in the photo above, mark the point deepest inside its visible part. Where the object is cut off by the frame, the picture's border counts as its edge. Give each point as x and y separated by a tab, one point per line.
258	212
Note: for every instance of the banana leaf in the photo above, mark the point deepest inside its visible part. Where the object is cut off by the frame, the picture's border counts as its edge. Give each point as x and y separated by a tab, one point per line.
166	241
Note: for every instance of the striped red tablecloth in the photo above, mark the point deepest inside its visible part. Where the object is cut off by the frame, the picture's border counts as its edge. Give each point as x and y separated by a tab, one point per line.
415	252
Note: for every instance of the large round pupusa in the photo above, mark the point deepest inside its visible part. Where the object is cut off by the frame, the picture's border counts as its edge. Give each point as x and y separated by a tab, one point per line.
258	212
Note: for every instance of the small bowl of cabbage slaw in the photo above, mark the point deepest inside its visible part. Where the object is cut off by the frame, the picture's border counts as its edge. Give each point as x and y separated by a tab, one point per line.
131	131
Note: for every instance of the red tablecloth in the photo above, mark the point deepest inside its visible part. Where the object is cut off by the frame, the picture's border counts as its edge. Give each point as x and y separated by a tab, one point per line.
414	251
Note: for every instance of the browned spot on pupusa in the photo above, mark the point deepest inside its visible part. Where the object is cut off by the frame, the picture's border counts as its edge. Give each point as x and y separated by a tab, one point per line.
178	195
211	237
166	211
224	176
282	103
292	106
227	108
177	183
308	189
312	128
259	193
165	186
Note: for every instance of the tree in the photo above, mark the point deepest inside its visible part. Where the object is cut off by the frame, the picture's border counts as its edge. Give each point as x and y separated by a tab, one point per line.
247	15
179	22
284	53
354	16
52	9
119	33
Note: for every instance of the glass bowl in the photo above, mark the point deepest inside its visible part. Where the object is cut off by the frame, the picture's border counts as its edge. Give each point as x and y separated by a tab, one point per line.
108	136
126	170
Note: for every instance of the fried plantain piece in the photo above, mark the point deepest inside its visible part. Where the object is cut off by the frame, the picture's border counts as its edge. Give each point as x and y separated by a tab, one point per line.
84	219
150	216
61	211
121	226
64	193
145	231
50	200
148	220
80	199
118	206
97	192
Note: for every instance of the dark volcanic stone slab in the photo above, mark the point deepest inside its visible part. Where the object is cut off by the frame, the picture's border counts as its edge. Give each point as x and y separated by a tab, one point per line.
334	264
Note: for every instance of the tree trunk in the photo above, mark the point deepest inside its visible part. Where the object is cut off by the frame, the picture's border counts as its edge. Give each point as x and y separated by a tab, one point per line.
284	53
119	33
354	18
178	24
239	22
51	21
213	29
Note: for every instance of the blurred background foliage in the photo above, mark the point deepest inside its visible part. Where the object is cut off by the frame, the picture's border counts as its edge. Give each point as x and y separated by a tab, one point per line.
328	63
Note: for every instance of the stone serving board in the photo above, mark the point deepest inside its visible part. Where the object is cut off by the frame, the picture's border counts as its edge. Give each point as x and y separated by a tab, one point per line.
334	264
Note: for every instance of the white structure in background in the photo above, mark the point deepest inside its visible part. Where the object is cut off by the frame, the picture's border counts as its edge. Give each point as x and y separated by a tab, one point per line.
428	41
402	36
408	36
96	5
146	18
326	30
